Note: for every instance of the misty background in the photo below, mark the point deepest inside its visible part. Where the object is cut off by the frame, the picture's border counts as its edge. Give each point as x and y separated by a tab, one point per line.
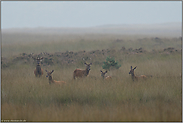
121	17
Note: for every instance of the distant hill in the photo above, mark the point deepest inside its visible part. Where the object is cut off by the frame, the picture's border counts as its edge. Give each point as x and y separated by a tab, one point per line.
173	29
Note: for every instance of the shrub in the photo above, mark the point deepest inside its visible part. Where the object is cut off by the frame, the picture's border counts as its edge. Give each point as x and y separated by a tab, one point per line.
110	63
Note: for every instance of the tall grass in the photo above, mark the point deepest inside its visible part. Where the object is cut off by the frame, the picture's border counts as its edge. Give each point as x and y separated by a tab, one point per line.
158	98
25	97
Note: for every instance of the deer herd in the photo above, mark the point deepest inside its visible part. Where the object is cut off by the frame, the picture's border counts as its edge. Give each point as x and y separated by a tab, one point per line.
79	73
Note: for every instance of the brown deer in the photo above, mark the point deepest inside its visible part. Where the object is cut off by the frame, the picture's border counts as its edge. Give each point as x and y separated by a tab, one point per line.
51	80
105	77
38	71
82	73
134	76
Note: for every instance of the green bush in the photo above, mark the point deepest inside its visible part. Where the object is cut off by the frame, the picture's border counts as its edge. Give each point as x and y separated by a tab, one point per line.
110	63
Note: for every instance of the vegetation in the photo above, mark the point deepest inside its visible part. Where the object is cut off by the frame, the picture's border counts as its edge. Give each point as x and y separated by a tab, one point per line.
110	63
30	98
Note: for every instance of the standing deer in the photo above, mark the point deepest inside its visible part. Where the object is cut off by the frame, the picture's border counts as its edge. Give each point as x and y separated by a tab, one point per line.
38	71
134	76
82	73
51	80
105	77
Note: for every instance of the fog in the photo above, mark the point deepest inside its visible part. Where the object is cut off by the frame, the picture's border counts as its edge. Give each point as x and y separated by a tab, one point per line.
165	29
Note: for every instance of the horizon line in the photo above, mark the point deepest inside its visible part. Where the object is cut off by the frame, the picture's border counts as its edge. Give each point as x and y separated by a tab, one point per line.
97	26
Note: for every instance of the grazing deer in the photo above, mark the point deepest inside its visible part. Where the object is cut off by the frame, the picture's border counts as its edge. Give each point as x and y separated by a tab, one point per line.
38	71
82	73
105	77
134	76
51	80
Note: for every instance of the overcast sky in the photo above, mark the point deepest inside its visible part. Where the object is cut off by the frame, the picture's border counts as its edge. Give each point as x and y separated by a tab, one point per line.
21	14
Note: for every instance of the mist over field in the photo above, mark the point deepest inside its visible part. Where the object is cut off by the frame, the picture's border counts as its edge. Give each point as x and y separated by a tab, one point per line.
155	50
162	29
137	44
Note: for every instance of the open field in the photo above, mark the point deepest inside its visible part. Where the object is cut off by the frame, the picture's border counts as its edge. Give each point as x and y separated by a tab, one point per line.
16	41
25	97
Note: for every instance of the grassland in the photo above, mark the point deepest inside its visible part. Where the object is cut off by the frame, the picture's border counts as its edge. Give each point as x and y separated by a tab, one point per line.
25	97
17	43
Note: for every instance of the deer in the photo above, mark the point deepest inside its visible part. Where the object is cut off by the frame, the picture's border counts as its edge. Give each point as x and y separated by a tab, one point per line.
105	77
134	76
51	81
79	73
38	71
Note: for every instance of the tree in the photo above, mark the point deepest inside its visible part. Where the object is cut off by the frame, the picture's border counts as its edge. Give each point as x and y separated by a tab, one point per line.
110	63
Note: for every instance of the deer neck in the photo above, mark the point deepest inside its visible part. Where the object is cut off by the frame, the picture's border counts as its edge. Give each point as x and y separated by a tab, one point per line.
38	67
50	80
133	75
103	76
87	72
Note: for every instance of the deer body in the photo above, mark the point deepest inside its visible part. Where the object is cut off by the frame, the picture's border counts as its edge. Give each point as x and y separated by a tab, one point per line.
134	77
108	77
105	77
38	71
51	81
82	73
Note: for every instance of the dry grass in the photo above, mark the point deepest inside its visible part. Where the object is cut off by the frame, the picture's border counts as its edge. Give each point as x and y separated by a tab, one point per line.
92	99
25	97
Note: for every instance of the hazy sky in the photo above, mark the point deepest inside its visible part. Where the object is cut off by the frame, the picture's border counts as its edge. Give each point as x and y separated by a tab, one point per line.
87	13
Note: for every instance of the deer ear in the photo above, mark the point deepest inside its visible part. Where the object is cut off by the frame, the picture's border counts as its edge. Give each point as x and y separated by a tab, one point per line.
52	71
46	70
134	68
90	63
131	67
106	71
101	71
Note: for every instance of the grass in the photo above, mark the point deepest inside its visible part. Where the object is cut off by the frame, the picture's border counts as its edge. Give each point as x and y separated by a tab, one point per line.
93	100
25	97
14	44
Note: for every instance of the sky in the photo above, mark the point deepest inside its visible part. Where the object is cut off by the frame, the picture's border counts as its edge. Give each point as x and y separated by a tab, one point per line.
32	14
